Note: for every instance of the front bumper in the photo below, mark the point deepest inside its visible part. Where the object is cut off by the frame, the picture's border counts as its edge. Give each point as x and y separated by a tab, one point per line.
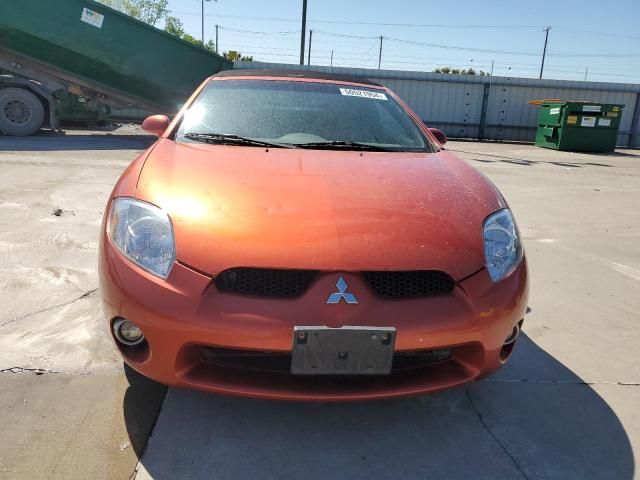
184	316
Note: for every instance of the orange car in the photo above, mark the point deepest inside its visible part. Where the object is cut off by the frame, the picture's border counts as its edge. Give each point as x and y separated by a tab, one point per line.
304	236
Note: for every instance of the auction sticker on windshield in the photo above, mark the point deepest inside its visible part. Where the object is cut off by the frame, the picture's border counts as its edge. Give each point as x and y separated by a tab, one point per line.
351	92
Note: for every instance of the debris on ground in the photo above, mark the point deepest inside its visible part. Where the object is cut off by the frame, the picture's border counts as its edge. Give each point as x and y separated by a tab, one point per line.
59	211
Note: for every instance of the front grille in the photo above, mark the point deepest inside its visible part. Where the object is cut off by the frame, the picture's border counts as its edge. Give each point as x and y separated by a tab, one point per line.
265	282
417	283
281	361
286	283
247	359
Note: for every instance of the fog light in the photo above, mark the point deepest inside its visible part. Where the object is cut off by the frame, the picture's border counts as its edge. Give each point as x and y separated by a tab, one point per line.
127	332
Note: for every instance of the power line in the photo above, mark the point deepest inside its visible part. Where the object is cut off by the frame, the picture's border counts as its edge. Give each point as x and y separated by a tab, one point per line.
347	22
604	55
420	25
266	50
436	45
372	64
425	44
398	58
478	62
253	32
612	74
603	34
438	64
425	25
456	47
346	35
389	51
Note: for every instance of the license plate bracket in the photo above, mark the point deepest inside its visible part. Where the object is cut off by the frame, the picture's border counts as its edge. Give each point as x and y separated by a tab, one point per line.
348	350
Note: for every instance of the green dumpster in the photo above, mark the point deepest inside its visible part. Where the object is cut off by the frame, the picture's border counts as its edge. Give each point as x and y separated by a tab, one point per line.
88	44
578	126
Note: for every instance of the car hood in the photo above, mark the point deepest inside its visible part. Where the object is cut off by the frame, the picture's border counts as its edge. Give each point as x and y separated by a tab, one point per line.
326	210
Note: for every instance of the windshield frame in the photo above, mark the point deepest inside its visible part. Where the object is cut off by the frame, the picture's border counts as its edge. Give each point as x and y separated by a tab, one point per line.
430	146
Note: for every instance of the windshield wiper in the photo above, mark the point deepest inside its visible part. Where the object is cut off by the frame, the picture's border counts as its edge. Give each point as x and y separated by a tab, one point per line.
231	139
341	144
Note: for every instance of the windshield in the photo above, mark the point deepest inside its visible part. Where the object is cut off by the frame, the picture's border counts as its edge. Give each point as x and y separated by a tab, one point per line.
302	114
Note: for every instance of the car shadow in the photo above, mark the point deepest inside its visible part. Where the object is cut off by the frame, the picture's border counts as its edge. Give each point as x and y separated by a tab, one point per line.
142	402
492	158
533	419
80	141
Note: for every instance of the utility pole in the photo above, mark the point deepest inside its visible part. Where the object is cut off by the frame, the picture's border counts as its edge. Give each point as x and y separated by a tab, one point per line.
380	53
332	58
544	51
309	54
216	38
491	74
303	30
203	20
586	71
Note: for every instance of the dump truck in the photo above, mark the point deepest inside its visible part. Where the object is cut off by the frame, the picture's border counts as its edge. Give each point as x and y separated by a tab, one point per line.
51	49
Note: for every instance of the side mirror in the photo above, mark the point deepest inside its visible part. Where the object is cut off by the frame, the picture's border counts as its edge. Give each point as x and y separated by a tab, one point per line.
439	134
156	124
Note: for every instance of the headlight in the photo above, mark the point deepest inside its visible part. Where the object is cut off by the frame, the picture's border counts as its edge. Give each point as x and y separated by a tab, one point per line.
502	248
143	233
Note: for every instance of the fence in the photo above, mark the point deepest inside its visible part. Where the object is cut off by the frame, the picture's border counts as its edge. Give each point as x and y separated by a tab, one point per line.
491	108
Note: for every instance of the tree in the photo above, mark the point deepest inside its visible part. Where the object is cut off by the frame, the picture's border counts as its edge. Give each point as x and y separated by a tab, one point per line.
148	11
152	11
115	4
457	71
174	26
191	39
237	56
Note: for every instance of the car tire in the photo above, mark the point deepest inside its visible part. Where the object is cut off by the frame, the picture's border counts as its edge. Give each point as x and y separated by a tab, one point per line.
21	112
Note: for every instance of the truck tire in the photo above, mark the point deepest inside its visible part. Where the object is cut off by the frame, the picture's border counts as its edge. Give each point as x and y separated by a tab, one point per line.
21	112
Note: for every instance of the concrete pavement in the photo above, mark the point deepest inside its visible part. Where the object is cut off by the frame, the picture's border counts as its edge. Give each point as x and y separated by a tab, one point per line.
564	407
61	426
67	410
493	429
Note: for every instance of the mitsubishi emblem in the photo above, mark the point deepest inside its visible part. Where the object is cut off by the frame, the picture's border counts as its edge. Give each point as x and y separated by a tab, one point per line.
342	293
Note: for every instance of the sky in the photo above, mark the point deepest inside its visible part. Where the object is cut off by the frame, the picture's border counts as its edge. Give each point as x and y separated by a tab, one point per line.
599	39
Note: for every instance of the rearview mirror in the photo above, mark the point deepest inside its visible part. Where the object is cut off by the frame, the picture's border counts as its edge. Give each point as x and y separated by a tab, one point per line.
439	134
156	124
